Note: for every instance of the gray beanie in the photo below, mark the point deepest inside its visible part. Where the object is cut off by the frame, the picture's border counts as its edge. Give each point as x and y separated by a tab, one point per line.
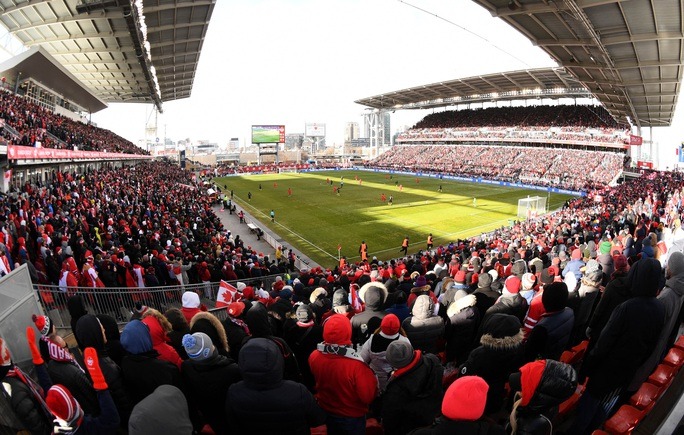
399	354
484	280
304	313
676	263
198	346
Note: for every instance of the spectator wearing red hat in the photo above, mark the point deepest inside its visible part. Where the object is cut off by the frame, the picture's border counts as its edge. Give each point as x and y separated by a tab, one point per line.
540	387
235	326
413	394
463	406
345	384
511	301
373	352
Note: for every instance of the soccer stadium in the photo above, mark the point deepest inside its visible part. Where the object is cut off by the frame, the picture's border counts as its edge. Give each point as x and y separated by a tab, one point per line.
510	263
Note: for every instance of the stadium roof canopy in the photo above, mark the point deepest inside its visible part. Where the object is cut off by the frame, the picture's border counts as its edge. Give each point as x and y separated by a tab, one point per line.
43	68
120	54
628	53
534	83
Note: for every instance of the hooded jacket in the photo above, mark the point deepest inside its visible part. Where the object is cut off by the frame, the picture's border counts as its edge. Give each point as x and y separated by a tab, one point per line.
374	351
211	325
164	411
631	334
499	355
423	328
142	371
413	395
672	297
264	403
373	295
159	327
464	319
89	333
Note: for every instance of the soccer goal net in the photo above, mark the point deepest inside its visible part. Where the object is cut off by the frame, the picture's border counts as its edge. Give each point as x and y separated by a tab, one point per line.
289	170
531	207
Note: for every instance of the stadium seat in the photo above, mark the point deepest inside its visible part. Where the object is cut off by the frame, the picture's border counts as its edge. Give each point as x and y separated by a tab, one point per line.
567	356
679	344
662	375
674	358
623	421
645	397
569	405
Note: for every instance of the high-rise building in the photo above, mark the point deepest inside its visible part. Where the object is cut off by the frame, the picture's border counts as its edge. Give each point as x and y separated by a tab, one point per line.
387	137
351	132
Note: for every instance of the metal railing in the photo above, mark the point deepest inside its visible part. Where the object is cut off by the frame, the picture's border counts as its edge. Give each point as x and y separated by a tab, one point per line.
119	302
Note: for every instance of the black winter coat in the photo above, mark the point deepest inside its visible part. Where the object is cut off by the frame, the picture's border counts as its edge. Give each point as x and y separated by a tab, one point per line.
143	373
444	426
264	403
303	341
207	384
413	399
27	409
78	383
514	305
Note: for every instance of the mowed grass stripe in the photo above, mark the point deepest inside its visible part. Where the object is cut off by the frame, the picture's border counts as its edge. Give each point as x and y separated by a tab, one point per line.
316	220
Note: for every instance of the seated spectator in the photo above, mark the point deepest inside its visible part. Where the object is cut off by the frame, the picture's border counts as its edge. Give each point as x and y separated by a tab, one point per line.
550	336
424	329
179	327
464	320
159	327
236	328
210	324
303	335
373	295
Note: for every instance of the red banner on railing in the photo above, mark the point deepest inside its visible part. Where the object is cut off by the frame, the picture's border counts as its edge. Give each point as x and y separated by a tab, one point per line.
16	152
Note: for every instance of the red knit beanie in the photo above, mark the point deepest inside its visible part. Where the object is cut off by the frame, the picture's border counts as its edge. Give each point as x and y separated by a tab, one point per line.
512	284
530	375
337	330
390	325
42	323
465	399
61	403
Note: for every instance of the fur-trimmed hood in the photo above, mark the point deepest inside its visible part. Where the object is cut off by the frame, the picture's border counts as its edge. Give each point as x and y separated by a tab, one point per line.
320	291
373	294
504	343
208	323
460	304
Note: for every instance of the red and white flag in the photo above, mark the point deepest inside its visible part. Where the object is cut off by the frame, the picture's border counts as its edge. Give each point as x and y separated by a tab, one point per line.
355	299
226	295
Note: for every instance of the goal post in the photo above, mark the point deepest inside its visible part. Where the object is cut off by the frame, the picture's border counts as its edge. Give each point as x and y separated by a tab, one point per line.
288	170
531	207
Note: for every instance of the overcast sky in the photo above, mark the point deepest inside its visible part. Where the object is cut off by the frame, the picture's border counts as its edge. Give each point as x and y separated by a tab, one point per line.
297	61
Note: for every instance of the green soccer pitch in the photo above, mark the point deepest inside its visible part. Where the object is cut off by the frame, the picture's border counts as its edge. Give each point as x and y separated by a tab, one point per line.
316	220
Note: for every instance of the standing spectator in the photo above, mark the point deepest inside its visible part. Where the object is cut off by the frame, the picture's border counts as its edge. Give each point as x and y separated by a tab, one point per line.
424	329
540	387
374	350
624	344
164	411
500	354
207	376
345	385
413	394
159	327
142	370
303	335
263	402
190	305
373	295
462	410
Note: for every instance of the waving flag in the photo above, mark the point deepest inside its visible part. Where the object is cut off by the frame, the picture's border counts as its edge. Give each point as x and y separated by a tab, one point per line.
226	295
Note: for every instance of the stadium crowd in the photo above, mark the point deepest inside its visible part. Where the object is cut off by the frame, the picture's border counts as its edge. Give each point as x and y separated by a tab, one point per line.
555	167
465	338
37	126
